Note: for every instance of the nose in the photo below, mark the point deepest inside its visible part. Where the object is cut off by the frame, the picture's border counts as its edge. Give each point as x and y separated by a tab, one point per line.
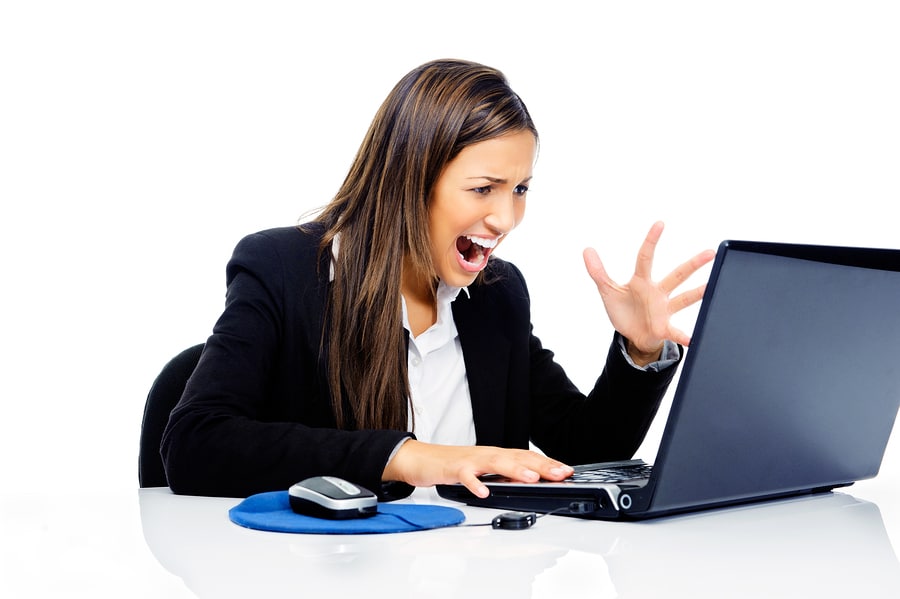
502	216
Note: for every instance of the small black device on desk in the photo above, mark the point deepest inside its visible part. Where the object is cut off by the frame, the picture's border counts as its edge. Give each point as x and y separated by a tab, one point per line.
333	498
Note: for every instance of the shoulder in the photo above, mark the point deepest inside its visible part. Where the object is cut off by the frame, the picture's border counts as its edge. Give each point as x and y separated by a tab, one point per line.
497	303
278	249
501	276
301	238
502	284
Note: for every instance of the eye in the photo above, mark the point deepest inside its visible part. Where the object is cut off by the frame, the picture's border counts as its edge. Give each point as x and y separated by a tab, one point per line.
521	190
482	190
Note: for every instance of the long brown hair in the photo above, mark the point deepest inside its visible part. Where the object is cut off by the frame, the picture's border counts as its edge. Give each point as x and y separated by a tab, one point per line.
381	215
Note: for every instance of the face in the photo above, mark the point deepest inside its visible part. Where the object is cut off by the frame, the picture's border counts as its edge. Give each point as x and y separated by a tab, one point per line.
478	199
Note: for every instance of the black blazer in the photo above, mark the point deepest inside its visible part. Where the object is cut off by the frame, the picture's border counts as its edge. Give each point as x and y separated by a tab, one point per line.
256	413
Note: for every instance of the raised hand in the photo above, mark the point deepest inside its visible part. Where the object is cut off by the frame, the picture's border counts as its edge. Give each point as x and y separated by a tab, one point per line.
641	309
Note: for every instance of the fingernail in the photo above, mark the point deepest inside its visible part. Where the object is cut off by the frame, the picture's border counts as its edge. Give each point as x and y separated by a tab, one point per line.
531	474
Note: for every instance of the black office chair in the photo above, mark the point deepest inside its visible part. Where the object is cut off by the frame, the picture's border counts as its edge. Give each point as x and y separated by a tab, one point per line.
164	394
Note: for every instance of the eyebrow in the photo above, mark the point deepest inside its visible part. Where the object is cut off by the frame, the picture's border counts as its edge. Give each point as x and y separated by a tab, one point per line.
499	181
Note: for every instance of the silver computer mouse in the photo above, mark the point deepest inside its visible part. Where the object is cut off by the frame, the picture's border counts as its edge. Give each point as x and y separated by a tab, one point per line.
333	498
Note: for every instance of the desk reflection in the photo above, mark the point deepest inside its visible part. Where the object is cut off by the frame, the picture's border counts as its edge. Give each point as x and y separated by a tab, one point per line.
829	546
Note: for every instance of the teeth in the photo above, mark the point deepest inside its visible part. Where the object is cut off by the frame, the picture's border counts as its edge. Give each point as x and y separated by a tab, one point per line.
483	242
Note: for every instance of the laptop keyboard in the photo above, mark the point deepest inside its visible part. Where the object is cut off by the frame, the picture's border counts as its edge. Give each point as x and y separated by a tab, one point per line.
610	473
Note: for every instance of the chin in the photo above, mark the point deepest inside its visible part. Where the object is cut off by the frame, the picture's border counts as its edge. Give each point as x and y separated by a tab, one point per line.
459	279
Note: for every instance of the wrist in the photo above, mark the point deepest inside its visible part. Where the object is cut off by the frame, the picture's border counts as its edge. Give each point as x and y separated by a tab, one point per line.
393	469
641	357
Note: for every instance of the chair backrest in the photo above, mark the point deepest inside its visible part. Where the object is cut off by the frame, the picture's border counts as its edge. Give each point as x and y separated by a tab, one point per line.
164	394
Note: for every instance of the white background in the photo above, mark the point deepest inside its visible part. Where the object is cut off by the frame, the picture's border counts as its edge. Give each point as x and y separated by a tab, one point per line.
140	140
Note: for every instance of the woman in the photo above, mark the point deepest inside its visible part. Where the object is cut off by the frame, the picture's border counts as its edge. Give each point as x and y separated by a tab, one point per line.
382	342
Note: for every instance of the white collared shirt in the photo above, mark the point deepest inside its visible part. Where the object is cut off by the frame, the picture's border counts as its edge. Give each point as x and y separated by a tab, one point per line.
440	404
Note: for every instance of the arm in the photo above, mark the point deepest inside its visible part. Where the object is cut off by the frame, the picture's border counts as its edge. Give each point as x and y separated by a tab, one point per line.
624	400
609	423
520	394
256	414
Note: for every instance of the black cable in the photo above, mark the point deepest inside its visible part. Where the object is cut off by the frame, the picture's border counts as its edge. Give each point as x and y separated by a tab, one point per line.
516	520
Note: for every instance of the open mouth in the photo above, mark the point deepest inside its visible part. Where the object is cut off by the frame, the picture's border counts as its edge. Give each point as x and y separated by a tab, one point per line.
474	251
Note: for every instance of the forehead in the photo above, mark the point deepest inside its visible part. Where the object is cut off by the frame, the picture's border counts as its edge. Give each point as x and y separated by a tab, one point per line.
508	156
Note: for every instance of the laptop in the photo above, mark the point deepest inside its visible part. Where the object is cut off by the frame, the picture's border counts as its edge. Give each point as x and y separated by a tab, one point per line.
791	386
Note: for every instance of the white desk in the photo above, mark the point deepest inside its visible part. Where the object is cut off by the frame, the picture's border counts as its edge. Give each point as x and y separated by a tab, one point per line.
154	544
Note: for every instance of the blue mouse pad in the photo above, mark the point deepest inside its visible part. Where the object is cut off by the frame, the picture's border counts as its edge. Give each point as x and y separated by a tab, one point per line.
272	512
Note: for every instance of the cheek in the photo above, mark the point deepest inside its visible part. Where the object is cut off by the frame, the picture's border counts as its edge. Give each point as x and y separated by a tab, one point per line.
443	244
520	212
445	226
